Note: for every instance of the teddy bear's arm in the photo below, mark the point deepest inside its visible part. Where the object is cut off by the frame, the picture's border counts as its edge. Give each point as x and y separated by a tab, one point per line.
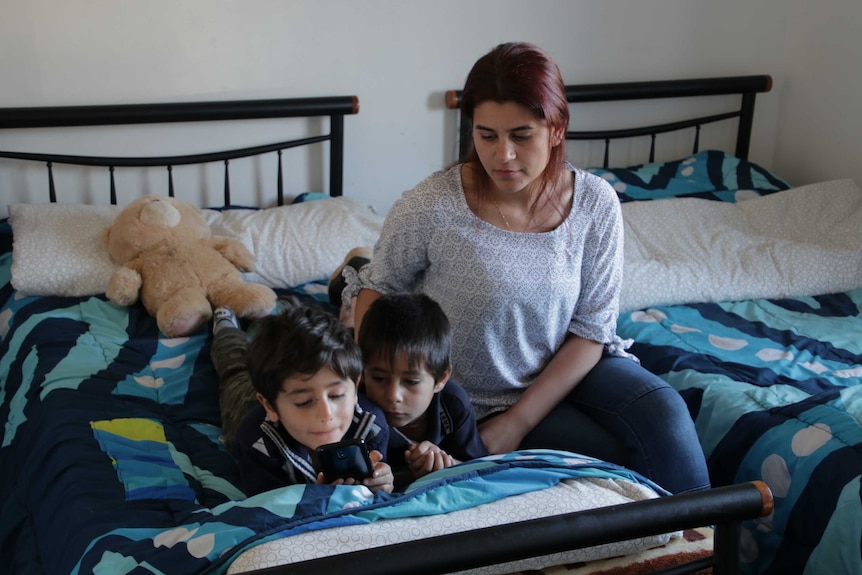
125	284
234	252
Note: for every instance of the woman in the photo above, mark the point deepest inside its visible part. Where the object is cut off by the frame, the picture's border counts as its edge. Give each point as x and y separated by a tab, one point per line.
524	253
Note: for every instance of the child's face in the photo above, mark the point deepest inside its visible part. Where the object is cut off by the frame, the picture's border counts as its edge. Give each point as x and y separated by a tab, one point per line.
314	410
403	391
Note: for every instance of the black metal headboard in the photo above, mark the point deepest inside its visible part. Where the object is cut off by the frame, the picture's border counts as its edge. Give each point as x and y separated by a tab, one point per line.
746	86
335	107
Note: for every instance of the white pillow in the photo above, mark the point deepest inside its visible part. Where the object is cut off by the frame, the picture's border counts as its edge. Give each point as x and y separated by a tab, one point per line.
299	243
56	248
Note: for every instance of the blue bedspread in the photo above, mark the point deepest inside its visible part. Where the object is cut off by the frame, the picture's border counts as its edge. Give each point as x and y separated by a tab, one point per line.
110	458
775	388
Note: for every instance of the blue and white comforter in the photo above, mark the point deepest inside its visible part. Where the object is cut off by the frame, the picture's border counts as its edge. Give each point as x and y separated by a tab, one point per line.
775	389
110	458
753	311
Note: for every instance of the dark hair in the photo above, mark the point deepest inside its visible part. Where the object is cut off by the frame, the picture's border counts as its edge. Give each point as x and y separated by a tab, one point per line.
525	74
408	323
300	340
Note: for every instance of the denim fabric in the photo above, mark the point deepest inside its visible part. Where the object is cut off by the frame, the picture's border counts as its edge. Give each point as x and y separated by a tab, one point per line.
624	414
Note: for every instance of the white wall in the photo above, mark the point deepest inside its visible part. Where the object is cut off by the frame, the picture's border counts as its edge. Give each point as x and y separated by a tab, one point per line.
398	56
819	136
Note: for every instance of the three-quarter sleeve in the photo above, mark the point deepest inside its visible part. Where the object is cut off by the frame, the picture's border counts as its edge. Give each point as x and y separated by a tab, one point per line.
595	315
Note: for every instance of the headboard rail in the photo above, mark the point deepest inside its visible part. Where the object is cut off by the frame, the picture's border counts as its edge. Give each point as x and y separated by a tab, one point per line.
652	131
113	114
169	162
745	86
335	107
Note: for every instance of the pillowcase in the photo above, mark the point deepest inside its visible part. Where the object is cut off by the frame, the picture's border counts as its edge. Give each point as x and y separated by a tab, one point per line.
711	174
299	243
57	250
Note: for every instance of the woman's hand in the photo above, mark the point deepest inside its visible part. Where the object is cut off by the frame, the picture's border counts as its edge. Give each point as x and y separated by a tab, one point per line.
501	433
425	457
575	358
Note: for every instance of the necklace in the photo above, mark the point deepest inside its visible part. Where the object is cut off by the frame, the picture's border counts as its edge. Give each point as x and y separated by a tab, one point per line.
531	216
502	215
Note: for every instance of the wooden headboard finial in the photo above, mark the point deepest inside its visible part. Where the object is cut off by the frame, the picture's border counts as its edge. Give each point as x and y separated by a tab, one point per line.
453	99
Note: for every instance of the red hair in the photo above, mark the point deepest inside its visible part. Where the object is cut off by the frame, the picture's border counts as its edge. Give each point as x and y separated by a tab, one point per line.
525	74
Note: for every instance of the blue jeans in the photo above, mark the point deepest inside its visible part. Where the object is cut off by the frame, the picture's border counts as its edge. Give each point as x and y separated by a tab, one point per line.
624	414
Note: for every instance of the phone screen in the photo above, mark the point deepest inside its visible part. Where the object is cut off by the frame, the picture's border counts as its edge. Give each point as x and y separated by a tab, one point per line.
344	459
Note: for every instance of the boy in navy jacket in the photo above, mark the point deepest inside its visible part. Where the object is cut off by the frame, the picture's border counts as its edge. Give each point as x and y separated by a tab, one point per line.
405	341
302	366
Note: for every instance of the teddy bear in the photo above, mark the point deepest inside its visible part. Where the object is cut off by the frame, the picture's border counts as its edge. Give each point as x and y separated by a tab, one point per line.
166	255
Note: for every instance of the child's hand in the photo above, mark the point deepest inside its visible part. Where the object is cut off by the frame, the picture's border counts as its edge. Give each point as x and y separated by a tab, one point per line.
339	481
425	457
382	479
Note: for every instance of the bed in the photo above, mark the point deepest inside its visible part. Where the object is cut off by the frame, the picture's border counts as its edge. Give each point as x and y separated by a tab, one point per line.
110	453
745	294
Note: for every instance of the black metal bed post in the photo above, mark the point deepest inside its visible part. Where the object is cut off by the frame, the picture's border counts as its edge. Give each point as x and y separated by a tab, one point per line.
279	183
226	183
170	180
746	121
726	549
52	190
336	154
113	186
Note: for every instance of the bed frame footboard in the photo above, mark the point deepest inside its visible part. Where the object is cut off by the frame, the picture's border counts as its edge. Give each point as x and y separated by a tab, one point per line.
723	507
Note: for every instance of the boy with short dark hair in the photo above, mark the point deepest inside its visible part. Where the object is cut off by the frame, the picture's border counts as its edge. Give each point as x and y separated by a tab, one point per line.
406	341
302	366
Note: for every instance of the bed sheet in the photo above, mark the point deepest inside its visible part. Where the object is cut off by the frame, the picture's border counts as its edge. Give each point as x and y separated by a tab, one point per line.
775	389
797	242
111	459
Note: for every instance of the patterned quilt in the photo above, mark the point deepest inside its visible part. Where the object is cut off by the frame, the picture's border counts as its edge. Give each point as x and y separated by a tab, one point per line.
110	458
775	388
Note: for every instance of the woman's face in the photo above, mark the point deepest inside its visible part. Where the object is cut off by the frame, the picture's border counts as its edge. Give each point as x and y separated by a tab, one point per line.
513	145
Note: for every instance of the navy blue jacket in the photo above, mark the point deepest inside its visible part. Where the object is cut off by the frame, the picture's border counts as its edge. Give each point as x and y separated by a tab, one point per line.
269	457
451	426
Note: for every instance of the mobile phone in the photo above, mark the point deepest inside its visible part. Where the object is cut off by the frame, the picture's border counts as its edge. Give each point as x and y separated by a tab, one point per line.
348	458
